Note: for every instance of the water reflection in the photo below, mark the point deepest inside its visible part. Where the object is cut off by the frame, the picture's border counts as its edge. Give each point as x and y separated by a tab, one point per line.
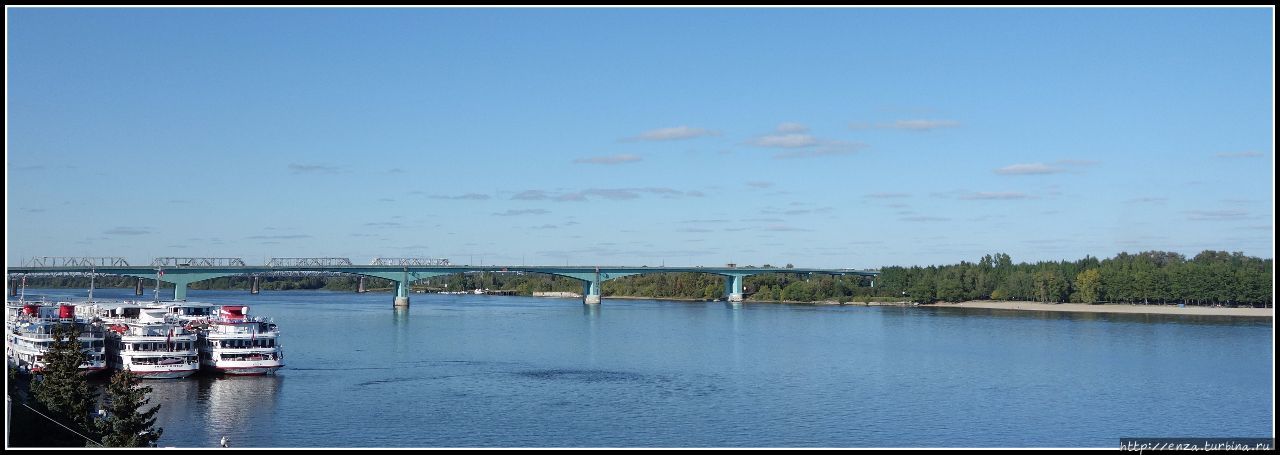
239	407
1147	318
400	316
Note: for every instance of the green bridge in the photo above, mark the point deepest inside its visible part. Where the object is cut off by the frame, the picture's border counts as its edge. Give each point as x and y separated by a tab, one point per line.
181	274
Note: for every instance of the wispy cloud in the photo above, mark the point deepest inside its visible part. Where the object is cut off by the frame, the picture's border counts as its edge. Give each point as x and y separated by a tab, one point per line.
1029	169
923	218
300	168
531	195
615	194
611	159
523	212
824	148
795	138
917	124
703	221
1246	154
792	127
693	230
1058	167
279	237
383	224
1216	215
784	228
671	134
1147	200
789	140
756	184
887	195
466	197
127	230
994	195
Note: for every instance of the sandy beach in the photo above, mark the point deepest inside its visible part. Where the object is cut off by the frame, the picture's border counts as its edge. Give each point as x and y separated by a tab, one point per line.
1111	308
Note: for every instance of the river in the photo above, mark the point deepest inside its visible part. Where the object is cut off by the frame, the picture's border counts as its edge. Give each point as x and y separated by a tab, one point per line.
490	371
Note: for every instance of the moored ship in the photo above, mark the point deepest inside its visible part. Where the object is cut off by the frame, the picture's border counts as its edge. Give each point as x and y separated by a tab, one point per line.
234	343
152	345
29	335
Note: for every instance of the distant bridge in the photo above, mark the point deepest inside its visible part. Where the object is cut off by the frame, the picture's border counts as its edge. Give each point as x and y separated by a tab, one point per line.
183	271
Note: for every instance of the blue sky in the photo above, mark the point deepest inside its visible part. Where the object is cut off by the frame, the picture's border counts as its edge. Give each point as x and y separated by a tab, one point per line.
823	137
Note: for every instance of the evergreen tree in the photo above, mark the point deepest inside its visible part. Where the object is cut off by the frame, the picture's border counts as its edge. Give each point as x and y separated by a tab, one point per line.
61	389
126	425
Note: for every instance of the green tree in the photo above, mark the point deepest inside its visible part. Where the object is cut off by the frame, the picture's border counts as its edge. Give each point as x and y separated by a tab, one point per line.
62	389
1088	284
126	425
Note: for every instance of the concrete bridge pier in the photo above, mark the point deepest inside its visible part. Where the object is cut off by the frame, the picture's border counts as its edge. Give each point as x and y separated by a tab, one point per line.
591	292
733	287
402	294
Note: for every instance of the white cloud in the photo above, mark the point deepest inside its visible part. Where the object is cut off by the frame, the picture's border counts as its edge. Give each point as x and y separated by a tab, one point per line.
792	127
1029	169
995	195
674	133
919	125
792	140
299	168
611	159
523	212
824	148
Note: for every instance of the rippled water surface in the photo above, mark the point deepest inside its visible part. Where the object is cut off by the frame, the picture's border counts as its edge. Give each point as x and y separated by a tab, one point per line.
482	371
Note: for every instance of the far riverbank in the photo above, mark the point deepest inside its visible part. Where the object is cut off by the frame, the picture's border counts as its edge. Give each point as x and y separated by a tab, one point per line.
1109	308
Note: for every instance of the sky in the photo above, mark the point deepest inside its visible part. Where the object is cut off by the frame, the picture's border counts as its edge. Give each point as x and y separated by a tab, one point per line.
821	137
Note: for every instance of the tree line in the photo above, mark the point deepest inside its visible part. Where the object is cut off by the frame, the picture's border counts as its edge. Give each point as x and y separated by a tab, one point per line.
1150	277
57	407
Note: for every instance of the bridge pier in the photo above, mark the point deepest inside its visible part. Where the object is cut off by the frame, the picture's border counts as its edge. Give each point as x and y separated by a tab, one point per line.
733	287
255	287
402	293
591	292
137	288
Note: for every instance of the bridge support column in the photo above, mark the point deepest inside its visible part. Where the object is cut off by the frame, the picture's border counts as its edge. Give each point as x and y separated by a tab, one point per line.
591	292
360	286
137	288
255	287
402	292
733	288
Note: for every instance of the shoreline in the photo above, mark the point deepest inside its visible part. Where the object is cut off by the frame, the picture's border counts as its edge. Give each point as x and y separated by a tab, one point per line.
1012	305
1108	308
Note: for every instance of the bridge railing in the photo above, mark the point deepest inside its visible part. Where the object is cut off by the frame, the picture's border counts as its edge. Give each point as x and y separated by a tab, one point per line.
307	262
77	261
410	261
197	262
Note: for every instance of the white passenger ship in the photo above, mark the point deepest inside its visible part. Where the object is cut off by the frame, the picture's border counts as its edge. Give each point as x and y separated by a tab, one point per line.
145	340
29	335
233	343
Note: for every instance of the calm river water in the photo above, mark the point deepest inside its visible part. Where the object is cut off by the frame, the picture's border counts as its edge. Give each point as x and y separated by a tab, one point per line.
485	371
